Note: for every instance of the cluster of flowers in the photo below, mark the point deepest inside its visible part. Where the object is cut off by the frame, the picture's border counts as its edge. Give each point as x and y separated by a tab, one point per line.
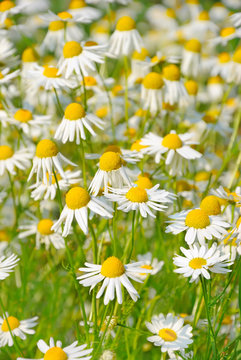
157	98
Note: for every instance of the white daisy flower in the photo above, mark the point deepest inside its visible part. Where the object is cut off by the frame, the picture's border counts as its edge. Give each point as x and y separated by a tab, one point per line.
125	38
42	229
235	72
129	156
18	328
162	18
78	201
191	58
111	172
136	198
80	9
6	76
218	13
222	66
55	351
226	34
177	148
8	8
199	225
47	158
236	19
174	90
202	26
7	51
49	78
27	121
170	334
152	92
49	191
66	16
200	261
10	159
150	263
114	273
74	122
54	39
7	264
233	197
79	58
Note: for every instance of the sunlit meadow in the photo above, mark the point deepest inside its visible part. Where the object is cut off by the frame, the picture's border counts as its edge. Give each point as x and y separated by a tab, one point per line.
120	191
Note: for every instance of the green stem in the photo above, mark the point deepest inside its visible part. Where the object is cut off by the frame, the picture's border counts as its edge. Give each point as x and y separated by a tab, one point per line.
126	89
83	162
14	199
132	236
58	190
58	102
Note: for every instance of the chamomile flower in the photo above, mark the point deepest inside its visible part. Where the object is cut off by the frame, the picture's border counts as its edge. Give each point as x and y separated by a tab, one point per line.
148	262
79	58
202	27
83	11
152	92
18	328
7	52
227	195
43	233
74	122
175	90
48	191
10	159
55	351
136	198
111	172
222	66
191	58
199	261
198	225
114	273
7	264
6	76
127	156
218	12
235	72
177	148
125	38
48	158
8	8
66	17
78	201
54	39
236	19
170	334
226	34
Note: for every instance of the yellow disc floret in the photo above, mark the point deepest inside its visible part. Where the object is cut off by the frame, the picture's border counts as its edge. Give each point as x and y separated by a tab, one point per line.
110	161
193	45
102	112
170	13
140	55
197	263
192	87
125	23
44	227
13	323
74	111
171	72
56	25
77	197
144	182
167	334
153	81
172	141
203	16
6	152
72	49
197	219
211	205
237	56
227	31
65	15
29	55
112	267
215	80
46	148
50	71
77	4
23	115
137	146
137	194
55	353
114	148
224	57
6	5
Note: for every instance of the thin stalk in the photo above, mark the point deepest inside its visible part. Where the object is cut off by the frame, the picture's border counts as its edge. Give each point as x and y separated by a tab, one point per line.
126	89
58	102
132	236
14	198
83	162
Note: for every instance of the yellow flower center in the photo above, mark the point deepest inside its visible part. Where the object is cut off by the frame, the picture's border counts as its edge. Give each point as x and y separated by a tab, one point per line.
110	161
227	31
192	87
215	80
44	227
74	111
237	56
112	267
140	112
72	49
76	198
102	112
56	25
6	5
197	219
193	45
91	43
1	75
50	72
46	148
65	15
202	176
8	23
55	353
153	80
167	334
238	222
171	72
125	23
148	267
224	57
113	148
13	323
203	16
140	55
130	132
183	185
89	81
77	4
169	107
23	115
172	141
211	205
137	194
6	152
4	236
29	55
170	13
116	90
144	182
136	146
197	263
